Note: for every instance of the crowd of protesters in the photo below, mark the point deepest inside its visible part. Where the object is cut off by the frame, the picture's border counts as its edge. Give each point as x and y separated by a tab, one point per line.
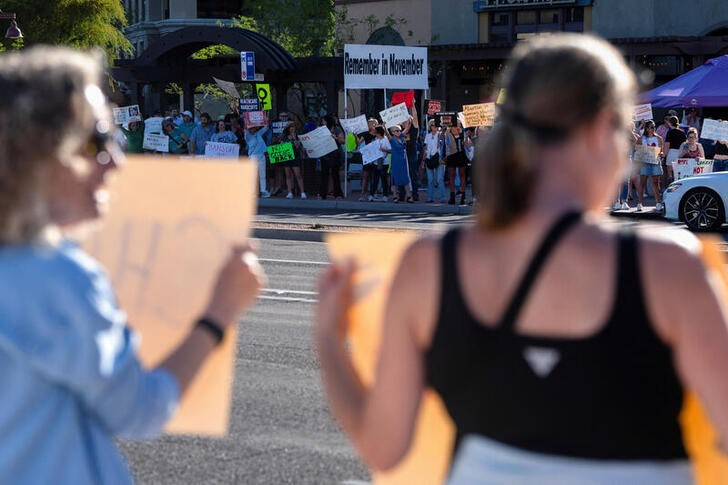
412	157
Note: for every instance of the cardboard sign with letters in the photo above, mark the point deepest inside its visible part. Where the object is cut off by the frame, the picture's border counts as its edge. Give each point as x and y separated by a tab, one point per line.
318	142
482	114
222	150
283	152
395	115
255	118
355	125
158	143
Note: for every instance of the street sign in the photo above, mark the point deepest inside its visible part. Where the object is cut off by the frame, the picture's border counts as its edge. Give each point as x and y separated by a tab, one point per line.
247	66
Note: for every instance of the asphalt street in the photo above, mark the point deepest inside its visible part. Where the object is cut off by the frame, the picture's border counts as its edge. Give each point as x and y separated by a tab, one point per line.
281	430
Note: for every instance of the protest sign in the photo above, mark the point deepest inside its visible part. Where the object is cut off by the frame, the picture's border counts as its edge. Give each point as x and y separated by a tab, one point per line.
646	154
448	118
171	226
355	125
433	106
482	114
249	104
126	114
153	125
385	67
395	115
371	152
714	130
158	143
428	459
643	112
222	150
255	118
279	126
501	96
406	97
263	91
318	142
689	167
227	87
283	152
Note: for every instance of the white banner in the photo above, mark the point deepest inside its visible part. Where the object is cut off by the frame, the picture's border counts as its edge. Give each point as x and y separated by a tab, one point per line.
318	142
158	143
394	115
355	125
643	112
126	114
385	67
222	150
687	167
153	125
227	87
371	152
714	130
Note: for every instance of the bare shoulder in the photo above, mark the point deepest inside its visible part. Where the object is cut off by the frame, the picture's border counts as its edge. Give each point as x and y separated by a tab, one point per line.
669	248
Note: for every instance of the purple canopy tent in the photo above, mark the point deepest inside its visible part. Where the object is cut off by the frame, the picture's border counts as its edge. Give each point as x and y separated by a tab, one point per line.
705	86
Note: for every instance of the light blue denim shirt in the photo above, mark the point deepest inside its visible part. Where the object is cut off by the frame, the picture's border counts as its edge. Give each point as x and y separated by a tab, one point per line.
71	381
256	143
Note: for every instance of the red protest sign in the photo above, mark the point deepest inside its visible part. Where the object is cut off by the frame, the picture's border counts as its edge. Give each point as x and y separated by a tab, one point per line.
434	106
255	118
406	97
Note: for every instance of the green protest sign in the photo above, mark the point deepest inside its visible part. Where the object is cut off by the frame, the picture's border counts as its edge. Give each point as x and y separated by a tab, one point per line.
281	153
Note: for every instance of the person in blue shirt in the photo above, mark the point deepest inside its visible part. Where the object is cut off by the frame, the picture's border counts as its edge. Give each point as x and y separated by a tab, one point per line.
257	149
71	380
201	134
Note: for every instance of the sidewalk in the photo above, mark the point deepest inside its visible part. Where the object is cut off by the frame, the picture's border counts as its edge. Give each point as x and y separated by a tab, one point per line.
352	203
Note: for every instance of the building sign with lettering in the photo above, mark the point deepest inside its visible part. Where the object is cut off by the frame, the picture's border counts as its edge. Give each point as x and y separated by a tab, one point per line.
486	5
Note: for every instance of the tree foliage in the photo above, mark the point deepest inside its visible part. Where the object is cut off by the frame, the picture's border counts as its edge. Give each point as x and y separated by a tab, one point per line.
76	23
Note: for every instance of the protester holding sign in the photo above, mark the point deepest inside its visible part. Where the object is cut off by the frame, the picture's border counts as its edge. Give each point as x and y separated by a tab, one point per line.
674	138
652	169
72	382
431	160
551	373
256	150
223	134
399	171
691	148
331	162
293	167
367	168
134	137
720	158
177	139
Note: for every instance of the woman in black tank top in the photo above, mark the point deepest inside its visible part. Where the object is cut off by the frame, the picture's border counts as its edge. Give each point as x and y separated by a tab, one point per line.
560	346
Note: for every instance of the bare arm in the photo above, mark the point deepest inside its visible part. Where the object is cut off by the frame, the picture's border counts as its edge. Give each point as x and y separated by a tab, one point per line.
698	331
415	121
379	420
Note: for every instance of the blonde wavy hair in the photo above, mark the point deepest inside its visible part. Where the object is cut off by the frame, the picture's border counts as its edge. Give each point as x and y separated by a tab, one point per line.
44	114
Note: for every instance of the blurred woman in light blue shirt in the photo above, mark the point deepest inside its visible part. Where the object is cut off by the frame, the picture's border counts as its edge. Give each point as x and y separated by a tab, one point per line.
71	378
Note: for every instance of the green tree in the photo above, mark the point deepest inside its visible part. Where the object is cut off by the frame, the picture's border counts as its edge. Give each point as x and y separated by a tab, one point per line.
76	23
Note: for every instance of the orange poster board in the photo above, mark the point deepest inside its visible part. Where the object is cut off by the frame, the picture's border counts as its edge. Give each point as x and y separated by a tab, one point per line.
428	459
171	226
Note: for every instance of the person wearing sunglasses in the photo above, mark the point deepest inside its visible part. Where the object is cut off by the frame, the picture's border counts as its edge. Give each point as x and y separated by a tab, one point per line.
399	169
71	380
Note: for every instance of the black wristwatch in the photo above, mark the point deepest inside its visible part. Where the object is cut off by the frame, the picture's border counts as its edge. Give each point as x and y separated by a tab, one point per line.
212	327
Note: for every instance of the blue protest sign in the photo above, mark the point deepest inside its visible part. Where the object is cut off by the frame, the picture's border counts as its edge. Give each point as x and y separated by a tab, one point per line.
247	65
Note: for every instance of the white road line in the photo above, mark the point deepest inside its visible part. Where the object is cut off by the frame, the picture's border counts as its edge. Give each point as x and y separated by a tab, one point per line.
265	260
285	298
295	292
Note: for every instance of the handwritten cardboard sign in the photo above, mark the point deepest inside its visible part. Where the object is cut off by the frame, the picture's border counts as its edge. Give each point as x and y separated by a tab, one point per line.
428	459
395	115
406	97
171	226
126	114
371	152
158	143
643	112
482	114
355	125
283	152
434	106
646	154
255	118
153	125
689	167
714	130
222	150
318	142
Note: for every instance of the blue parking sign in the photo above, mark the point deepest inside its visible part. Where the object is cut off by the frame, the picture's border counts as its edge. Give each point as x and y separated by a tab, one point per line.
247	64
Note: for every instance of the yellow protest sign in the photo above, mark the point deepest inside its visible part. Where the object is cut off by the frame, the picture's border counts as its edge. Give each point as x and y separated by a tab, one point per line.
501	96
482	114
263	91
428	459
171	226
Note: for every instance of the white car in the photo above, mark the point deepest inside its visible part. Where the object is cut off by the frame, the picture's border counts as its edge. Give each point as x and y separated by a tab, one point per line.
698	201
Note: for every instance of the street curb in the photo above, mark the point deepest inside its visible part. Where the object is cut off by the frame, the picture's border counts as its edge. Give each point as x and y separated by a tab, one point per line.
633	214
290	234
350	205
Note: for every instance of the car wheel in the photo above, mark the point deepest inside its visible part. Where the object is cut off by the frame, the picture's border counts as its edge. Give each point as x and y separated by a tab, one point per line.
702	210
